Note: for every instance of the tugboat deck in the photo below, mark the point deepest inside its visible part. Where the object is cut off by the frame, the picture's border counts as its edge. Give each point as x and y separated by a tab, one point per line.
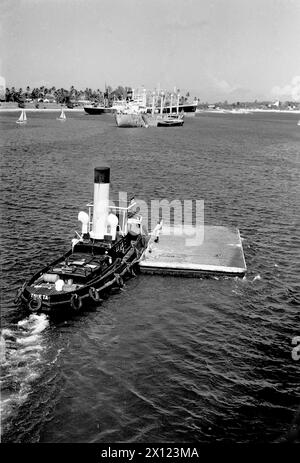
219	253
78	267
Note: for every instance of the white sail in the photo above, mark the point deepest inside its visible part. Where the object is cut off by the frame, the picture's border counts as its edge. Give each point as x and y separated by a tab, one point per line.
62	116
23	118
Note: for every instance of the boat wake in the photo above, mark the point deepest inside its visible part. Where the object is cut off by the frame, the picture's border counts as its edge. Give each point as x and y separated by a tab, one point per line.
21	348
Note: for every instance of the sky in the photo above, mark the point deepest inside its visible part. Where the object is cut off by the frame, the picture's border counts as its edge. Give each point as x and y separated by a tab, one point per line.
234	50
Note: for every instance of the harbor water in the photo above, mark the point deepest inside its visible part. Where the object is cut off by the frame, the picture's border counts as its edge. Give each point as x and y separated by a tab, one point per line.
167	359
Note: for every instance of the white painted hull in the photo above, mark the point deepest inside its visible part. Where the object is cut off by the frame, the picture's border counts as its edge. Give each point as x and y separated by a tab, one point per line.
129	120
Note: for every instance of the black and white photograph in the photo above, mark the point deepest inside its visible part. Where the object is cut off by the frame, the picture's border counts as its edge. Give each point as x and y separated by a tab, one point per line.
149	225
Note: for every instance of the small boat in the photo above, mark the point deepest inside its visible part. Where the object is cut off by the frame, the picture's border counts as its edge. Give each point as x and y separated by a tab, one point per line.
171	121
186	108
160	119
62	116
298	122
23	118
109	247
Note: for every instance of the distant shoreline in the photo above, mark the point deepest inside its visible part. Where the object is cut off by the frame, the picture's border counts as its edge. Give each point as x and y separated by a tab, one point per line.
40	110
198	111
248	111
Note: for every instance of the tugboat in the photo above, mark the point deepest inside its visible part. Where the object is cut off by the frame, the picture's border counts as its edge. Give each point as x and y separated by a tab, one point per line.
111	243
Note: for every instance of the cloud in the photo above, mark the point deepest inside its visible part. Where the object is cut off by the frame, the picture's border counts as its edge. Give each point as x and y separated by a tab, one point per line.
42	2
288	92
41	83
231	92
223	86
185	25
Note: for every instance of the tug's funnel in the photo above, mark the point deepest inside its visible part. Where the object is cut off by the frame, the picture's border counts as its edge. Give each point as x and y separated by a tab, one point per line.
101	202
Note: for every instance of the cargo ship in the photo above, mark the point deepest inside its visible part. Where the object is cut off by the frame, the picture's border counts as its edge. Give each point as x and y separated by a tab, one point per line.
97	109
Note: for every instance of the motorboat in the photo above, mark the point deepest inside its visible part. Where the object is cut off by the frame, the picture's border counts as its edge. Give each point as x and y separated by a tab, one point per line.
171	121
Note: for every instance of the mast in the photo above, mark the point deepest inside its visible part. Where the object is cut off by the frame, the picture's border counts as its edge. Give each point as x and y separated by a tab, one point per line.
161	102
153	102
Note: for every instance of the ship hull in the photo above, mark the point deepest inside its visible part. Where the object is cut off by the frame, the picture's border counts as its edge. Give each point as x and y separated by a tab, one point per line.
156	120
39	297
129	120
151	120
94	109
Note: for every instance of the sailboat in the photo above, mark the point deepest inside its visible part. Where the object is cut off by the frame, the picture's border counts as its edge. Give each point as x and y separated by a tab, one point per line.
23	118
62	116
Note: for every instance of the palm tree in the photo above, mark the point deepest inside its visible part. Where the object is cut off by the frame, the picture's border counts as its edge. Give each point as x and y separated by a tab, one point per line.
34	94
7	95
13	94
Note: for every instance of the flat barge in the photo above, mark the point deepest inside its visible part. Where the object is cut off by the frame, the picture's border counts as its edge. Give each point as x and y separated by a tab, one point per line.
217	251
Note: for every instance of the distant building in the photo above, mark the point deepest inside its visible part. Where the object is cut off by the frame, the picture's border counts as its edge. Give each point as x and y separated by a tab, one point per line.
2	88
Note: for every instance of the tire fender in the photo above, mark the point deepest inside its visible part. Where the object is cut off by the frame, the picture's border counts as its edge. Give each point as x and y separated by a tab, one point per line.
76	302
94	294
35	305
119	280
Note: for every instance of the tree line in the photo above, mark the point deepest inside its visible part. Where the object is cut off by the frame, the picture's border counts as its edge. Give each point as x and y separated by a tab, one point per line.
62	95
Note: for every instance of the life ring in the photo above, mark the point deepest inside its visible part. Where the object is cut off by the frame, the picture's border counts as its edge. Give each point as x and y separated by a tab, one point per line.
119	280
94	294
76	302
19	293
35	305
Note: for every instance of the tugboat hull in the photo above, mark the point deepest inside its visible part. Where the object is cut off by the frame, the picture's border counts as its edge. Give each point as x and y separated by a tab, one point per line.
86	264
